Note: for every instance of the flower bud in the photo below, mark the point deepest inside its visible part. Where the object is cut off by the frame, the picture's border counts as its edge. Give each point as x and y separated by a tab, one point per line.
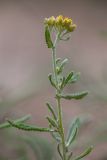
72	27
60	23
51	21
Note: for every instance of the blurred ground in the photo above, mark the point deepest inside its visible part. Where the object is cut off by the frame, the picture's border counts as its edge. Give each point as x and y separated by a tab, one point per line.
25	63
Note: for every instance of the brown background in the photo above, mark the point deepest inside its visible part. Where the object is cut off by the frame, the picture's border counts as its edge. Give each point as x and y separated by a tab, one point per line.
25	63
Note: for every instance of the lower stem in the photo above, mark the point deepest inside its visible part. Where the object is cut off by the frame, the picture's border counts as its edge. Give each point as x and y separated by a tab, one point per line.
60	123
61	128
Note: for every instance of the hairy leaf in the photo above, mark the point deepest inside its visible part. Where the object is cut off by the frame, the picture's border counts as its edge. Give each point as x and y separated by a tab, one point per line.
48	38
62	83
75	77
78	95
58	60
23	119
72	132
59	151
85	153
62	65
51	80
51	110
56	136
52	122
68	78
27	127
73	136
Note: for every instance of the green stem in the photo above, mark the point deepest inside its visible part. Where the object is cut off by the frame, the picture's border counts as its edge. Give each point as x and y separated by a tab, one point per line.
58	91
61	128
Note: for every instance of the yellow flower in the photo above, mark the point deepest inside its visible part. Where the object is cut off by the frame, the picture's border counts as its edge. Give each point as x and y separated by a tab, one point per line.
59	20
50	21
60	23
71	28
67	21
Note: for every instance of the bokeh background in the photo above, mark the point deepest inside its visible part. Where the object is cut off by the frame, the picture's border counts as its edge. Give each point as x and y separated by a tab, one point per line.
25	63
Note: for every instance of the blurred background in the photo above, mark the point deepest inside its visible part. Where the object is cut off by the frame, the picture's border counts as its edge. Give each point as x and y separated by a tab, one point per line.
25	63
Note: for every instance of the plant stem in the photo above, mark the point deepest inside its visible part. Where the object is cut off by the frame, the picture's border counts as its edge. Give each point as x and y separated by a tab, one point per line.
61	127
58	91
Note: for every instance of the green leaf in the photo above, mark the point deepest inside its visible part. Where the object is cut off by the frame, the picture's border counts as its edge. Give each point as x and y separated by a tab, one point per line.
62	83
65	39
68	78
51	110
58	60
64	62
75	77
48	38
60	68
51	80
52	122
56	136
59	151
78	95
72	132
23	119
73	136
85	153
27	127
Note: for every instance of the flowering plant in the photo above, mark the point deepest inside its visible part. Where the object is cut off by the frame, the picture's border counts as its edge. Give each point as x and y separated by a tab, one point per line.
56	30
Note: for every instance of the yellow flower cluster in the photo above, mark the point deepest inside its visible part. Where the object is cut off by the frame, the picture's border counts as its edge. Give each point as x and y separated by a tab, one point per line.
60	23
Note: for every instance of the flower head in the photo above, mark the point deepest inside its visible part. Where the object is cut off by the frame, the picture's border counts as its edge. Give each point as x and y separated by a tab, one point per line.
60	23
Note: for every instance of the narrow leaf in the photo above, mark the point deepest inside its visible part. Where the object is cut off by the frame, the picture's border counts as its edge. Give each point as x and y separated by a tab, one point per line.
63	83
68	78
58	149
75	124
56	136
52	122
64	62
48	38
85	153
72	137
27	127
51	80
51	110
58	60
23	119
75	77
65	39
72	131
78	95
62	65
